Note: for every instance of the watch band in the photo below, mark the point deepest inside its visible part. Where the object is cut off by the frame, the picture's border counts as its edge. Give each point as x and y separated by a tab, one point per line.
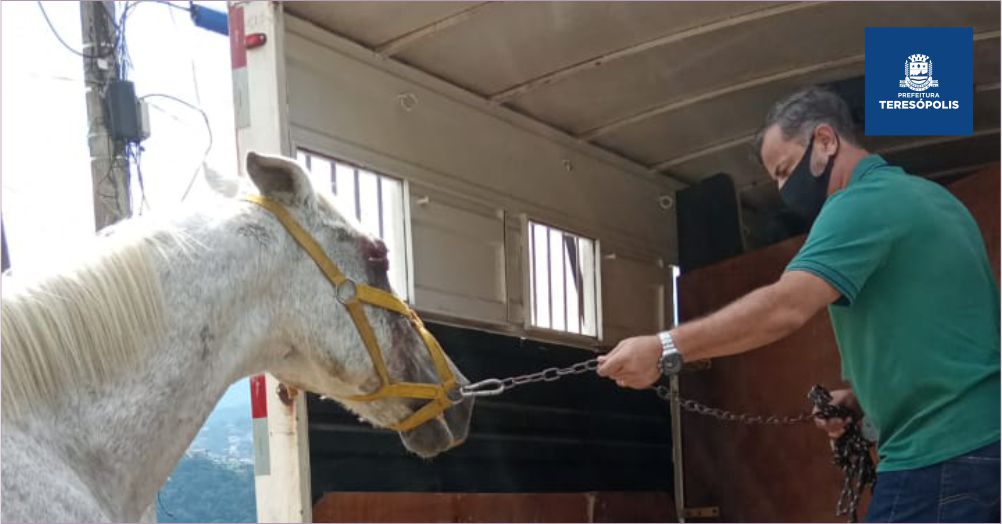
667	343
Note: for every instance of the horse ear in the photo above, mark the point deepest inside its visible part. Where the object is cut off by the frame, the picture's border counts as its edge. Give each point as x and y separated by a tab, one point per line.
279	178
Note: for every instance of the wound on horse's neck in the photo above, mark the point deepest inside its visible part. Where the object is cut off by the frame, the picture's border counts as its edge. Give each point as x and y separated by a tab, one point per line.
375	253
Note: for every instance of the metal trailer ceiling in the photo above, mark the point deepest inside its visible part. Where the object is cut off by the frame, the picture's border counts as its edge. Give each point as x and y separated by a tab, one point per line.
677	87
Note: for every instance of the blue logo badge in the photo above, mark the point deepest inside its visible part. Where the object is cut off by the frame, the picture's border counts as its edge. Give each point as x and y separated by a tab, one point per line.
919	81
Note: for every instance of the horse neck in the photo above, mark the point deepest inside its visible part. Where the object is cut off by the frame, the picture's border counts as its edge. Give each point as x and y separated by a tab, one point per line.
129	434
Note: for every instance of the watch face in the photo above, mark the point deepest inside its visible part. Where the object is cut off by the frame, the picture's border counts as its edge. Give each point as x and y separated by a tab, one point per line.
671	362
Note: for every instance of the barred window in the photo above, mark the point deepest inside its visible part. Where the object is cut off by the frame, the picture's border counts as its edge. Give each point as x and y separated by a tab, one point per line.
563	280
375	200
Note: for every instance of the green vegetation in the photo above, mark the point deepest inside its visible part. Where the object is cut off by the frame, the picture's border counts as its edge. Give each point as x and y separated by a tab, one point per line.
207	488
214	482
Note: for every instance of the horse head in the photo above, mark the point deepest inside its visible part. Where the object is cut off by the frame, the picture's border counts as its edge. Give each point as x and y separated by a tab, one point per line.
324	348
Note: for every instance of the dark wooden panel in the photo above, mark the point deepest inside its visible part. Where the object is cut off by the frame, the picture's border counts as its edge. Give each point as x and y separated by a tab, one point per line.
579	434
657	506
758	474
980	193
494	507
776	474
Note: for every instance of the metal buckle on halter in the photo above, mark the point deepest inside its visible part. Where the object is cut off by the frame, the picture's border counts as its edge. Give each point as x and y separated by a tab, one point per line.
455	395
346	292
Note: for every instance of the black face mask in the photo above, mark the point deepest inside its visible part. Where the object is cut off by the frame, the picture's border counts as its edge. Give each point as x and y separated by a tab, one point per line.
803	192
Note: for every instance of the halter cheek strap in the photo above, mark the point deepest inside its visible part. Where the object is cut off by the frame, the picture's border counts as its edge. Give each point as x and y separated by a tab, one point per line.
353	295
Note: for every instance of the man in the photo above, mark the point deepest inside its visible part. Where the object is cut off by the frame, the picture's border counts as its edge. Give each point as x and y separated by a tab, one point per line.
901	266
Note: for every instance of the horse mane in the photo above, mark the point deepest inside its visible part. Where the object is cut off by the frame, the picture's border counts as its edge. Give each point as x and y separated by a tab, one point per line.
82	326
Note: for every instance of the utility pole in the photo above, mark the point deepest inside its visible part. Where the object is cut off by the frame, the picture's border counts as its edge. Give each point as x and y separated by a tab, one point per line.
109	167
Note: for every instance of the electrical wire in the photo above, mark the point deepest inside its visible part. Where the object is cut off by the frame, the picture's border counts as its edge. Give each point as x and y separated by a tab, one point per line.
134	153
191	60
56	33
171	4
194	81
208	128
60	38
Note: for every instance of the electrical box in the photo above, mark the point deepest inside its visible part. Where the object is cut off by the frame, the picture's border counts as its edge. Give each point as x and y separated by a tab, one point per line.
144	120
123	111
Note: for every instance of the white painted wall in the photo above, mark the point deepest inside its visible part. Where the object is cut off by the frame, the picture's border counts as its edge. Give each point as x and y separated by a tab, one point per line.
474	172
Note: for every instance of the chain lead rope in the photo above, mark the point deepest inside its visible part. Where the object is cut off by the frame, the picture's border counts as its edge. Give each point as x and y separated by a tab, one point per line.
851	452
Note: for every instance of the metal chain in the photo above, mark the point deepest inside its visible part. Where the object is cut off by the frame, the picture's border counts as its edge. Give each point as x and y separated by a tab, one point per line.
729	416
495	386
851	451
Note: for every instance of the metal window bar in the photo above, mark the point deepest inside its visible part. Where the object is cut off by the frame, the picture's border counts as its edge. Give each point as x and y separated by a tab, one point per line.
358	197
574	263
563	266
549	274
334	177
379	202
532	255
579	282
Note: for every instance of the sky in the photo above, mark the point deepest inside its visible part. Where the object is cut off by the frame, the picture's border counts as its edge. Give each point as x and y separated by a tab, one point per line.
46	200
46	197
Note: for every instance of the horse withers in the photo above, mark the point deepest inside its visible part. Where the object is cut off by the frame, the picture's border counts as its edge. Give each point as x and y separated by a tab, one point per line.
110	366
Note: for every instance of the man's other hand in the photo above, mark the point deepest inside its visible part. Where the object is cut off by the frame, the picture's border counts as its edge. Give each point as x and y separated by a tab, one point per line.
835	427
633	363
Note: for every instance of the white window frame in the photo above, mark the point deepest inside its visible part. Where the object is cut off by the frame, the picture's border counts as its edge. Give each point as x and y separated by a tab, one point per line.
529	291
405	209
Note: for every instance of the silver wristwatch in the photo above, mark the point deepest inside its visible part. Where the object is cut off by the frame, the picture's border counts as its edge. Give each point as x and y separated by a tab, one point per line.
671	360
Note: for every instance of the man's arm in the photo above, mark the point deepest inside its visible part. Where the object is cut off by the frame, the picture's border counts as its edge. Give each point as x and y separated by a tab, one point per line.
759	318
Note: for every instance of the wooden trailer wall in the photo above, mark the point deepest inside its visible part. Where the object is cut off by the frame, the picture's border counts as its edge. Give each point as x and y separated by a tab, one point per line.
474	174
777	474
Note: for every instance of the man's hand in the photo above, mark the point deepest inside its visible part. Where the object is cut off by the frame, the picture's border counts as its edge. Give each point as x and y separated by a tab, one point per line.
835	427
633	363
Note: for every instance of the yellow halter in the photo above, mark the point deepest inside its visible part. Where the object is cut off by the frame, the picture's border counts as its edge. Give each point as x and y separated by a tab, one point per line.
352	295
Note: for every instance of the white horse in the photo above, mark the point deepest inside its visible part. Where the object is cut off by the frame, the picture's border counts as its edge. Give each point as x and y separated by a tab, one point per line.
111	367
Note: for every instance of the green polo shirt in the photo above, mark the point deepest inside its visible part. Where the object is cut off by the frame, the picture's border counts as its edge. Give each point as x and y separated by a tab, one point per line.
918	321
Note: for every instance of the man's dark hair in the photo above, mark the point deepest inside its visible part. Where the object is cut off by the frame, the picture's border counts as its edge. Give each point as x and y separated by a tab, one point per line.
798	114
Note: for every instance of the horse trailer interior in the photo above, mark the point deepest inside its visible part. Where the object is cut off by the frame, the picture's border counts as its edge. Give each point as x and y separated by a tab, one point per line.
543	170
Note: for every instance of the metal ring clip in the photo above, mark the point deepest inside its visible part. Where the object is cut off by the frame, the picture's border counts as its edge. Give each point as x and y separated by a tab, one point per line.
484	388
455	395
346	292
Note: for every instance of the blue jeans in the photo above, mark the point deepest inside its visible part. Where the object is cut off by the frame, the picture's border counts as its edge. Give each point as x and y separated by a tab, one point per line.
961	489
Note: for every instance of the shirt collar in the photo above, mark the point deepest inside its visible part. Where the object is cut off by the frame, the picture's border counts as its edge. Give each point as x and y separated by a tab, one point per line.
864	166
